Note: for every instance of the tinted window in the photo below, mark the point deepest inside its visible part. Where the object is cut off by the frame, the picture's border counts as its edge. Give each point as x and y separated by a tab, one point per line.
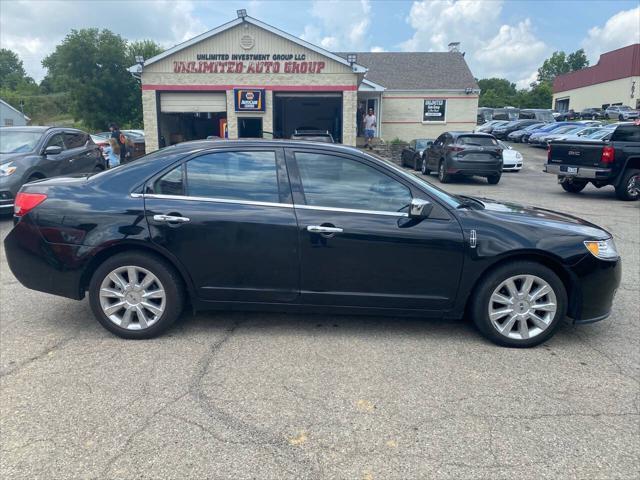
56	141
477	140
627	133
170	183
331	181
234	175
75	139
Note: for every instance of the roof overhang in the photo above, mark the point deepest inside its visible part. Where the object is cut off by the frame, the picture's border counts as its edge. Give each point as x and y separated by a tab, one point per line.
356	68
369	86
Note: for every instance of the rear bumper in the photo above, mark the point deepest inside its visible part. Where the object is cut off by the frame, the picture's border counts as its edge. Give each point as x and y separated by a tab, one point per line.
581	172
43	266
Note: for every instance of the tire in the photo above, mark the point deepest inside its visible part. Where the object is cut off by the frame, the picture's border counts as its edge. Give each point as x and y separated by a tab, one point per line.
621	118
493	179
575	186
538	331
33	178
606	116
443	176
423	167
98	169
416	162
625	190
166	280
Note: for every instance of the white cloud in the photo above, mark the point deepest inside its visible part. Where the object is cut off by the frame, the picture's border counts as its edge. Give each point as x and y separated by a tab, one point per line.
378	49
339	25
492	49
33	29
620	30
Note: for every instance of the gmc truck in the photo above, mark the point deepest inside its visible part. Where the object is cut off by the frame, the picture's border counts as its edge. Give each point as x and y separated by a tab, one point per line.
614	162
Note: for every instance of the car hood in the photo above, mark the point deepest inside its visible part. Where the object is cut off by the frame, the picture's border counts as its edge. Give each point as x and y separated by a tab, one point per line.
12	157
543	218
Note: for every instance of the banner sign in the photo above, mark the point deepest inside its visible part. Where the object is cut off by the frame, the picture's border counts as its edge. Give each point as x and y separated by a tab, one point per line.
250	63
434	111
249	100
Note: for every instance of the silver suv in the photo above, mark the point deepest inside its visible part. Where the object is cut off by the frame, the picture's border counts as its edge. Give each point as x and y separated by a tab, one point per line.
621	112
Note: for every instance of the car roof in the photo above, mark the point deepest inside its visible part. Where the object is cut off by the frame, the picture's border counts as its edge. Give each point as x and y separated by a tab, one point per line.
261	142
28	128
458	133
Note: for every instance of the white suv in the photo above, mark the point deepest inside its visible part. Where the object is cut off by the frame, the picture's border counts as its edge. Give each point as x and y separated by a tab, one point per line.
621	112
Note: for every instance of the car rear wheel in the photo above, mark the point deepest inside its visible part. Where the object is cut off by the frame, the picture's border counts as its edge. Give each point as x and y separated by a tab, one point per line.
136	295
620	117
520	304
575	186
627	189
423	167
443	176
493	179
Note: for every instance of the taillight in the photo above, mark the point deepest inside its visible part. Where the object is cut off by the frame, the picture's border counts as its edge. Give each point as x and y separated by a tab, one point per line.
607	155
549	153
25	202
455	148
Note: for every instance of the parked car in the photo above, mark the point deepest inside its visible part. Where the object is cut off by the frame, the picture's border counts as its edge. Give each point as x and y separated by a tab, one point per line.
621	112
536	137
592	113
528	132
540	114
517	135
558	133
312	135
466	154
413	153
33	153
585	134
502	131
600	162
567	116
215	224
489	126
512	160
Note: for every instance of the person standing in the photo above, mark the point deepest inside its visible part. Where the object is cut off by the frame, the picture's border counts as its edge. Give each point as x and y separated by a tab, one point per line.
119	137
369	128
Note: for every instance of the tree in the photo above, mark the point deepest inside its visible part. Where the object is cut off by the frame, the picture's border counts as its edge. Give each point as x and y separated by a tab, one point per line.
496	92
560	63
144	48
12	74
92	66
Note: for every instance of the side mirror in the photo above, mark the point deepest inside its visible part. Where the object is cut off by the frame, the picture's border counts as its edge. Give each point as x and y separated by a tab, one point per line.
419	208
53	150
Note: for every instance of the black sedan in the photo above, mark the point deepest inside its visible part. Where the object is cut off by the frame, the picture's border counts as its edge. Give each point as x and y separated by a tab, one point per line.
303	226
413	154
34	153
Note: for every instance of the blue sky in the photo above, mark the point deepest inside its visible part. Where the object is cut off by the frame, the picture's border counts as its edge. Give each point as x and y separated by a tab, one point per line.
500	37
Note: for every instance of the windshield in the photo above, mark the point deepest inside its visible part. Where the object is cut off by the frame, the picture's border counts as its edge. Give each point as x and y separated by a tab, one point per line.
624	107
422	144
573	130
534	126
598	134
17	141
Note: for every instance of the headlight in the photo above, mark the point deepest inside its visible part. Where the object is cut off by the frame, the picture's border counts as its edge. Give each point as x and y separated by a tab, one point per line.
518	155
7	169
602	249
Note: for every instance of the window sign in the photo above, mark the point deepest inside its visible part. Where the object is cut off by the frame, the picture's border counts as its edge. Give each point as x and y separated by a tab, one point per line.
434	111
249	100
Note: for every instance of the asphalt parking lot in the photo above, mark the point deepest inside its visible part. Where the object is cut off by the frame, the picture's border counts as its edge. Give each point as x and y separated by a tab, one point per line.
250	395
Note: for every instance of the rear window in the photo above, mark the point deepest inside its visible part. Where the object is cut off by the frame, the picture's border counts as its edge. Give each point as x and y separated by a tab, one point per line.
626	133
477	140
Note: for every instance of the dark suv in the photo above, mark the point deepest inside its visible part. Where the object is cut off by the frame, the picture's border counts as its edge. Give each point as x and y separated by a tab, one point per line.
33	153
592	114
465	153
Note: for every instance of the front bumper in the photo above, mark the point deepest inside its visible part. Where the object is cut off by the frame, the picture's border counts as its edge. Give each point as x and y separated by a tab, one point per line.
595	285
580	172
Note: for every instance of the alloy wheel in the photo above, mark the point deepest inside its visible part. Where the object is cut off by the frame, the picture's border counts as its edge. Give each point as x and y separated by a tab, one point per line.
522	307
632	186
132	297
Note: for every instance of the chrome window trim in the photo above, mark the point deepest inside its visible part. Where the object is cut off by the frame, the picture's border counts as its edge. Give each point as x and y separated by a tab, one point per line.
267	204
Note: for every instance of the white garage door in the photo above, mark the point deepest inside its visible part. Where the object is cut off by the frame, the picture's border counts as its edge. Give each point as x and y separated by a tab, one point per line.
173	102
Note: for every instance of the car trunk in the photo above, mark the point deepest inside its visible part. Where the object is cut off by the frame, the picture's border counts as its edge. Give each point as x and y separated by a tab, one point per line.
584	154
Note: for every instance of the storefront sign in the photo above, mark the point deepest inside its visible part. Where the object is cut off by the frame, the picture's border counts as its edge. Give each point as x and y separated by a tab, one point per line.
434	111
249	100
250	63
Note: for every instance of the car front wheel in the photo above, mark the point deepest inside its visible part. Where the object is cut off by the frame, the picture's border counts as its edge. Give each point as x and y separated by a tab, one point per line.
520	304
136	295
443	176
423	167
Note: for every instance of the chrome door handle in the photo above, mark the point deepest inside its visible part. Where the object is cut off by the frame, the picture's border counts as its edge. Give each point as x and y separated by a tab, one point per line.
170	219
321	229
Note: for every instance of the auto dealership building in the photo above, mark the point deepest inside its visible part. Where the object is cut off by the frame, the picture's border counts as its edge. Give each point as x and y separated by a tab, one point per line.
249	79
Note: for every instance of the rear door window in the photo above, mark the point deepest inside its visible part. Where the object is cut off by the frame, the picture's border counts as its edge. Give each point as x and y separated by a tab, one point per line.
626	133
75	139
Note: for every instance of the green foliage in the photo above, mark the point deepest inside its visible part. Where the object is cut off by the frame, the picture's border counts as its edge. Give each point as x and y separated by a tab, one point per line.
397	141
12	74
497	92
560	63
146	48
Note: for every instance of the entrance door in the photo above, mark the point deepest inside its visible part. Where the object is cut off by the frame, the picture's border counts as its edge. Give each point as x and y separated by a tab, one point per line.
223	215
358	248
249	127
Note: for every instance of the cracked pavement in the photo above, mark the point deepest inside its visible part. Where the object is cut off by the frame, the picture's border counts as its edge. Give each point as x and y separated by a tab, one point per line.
263	395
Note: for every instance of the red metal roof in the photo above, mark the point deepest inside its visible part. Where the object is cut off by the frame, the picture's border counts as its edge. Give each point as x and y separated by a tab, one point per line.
621	63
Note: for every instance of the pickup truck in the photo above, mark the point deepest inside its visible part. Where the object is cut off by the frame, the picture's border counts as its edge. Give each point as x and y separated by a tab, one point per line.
614	162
